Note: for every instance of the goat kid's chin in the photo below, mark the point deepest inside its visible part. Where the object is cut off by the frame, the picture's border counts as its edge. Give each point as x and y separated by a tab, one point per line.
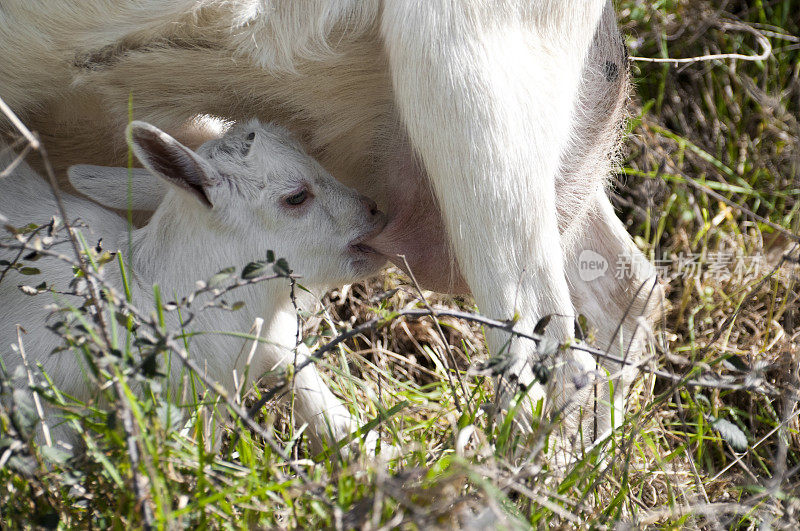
364	259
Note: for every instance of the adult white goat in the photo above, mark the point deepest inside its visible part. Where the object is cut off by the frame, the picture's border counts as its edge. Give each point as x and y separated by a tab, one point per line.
250	191
484	130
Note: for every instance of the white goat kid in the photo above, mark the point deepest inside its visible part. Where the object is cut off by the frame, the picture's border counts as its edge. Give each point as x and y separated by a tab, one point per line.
484	130
250	191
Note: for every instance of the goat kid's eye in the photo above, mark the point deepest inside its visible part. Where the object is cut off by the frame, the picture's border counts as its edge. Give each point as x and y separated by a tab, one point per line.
297	199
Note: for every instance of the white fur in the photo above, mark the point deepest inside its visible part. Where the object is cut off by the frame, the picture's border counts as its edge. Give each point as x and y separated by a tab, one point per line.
247	182
109	186
484	129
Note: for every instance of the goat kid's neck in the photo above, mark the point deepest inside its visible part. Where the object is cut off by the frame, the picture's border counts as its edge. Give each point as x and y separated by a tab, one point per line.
183	244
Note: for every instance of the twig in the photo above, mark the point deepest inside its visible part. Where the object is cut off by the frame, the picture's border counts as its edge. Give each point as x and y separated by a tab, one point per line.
128	425
298	325
445	343
762	40
36	401
16	122
16	162
507	326
22	249
13	145
707	509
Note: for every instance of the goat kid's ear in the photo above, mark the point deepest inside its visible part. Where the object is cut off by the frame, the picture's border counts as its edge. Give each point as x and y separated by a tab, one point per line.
109	186
167	158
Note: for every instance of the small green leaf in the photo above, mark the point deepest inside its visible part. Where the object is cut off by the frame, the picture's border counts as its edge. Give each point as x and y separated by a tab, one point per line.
142	342
541	372
105	258
150	365
281	267
464	420
123	319
270	256
220	278
701	398
581	327
541	325
254	270
29	270
55	455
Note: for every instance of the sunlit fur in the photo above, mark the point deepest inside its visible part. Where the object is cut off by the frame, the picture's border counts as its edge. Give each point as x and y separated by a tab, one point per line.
485	130
246	181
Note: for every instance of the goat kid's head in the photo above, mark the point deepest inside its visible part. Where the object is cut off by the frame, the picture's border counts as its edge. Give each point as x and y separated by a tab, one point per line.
256	186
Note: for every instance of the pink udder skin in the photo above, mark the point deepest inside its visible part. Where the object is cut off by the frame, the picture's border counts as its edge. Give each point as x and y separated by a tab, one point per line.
416	228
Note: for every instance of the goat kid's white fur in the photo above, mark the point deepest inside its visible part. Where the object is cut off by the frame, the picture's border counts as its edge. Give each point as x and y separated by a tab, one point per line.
225	204
485	130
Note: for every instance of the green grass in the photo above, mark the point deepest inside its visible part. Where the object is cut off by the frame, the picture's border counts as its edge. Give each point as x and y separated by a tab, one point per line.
730	126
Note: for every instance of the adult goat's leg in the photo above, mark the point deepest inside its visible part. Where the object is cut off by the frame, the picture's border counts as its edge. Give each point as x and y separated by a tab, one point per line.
487	95
614	286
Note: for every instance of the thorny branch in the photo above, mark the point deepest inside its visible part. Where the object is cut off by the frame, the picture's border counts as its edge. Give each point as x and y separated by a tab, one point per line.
688	379
169	340
507	326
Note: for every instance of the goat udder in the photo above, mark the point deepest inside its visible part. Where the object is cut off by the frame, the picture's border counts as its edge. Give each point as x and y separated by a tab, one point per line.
416	231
